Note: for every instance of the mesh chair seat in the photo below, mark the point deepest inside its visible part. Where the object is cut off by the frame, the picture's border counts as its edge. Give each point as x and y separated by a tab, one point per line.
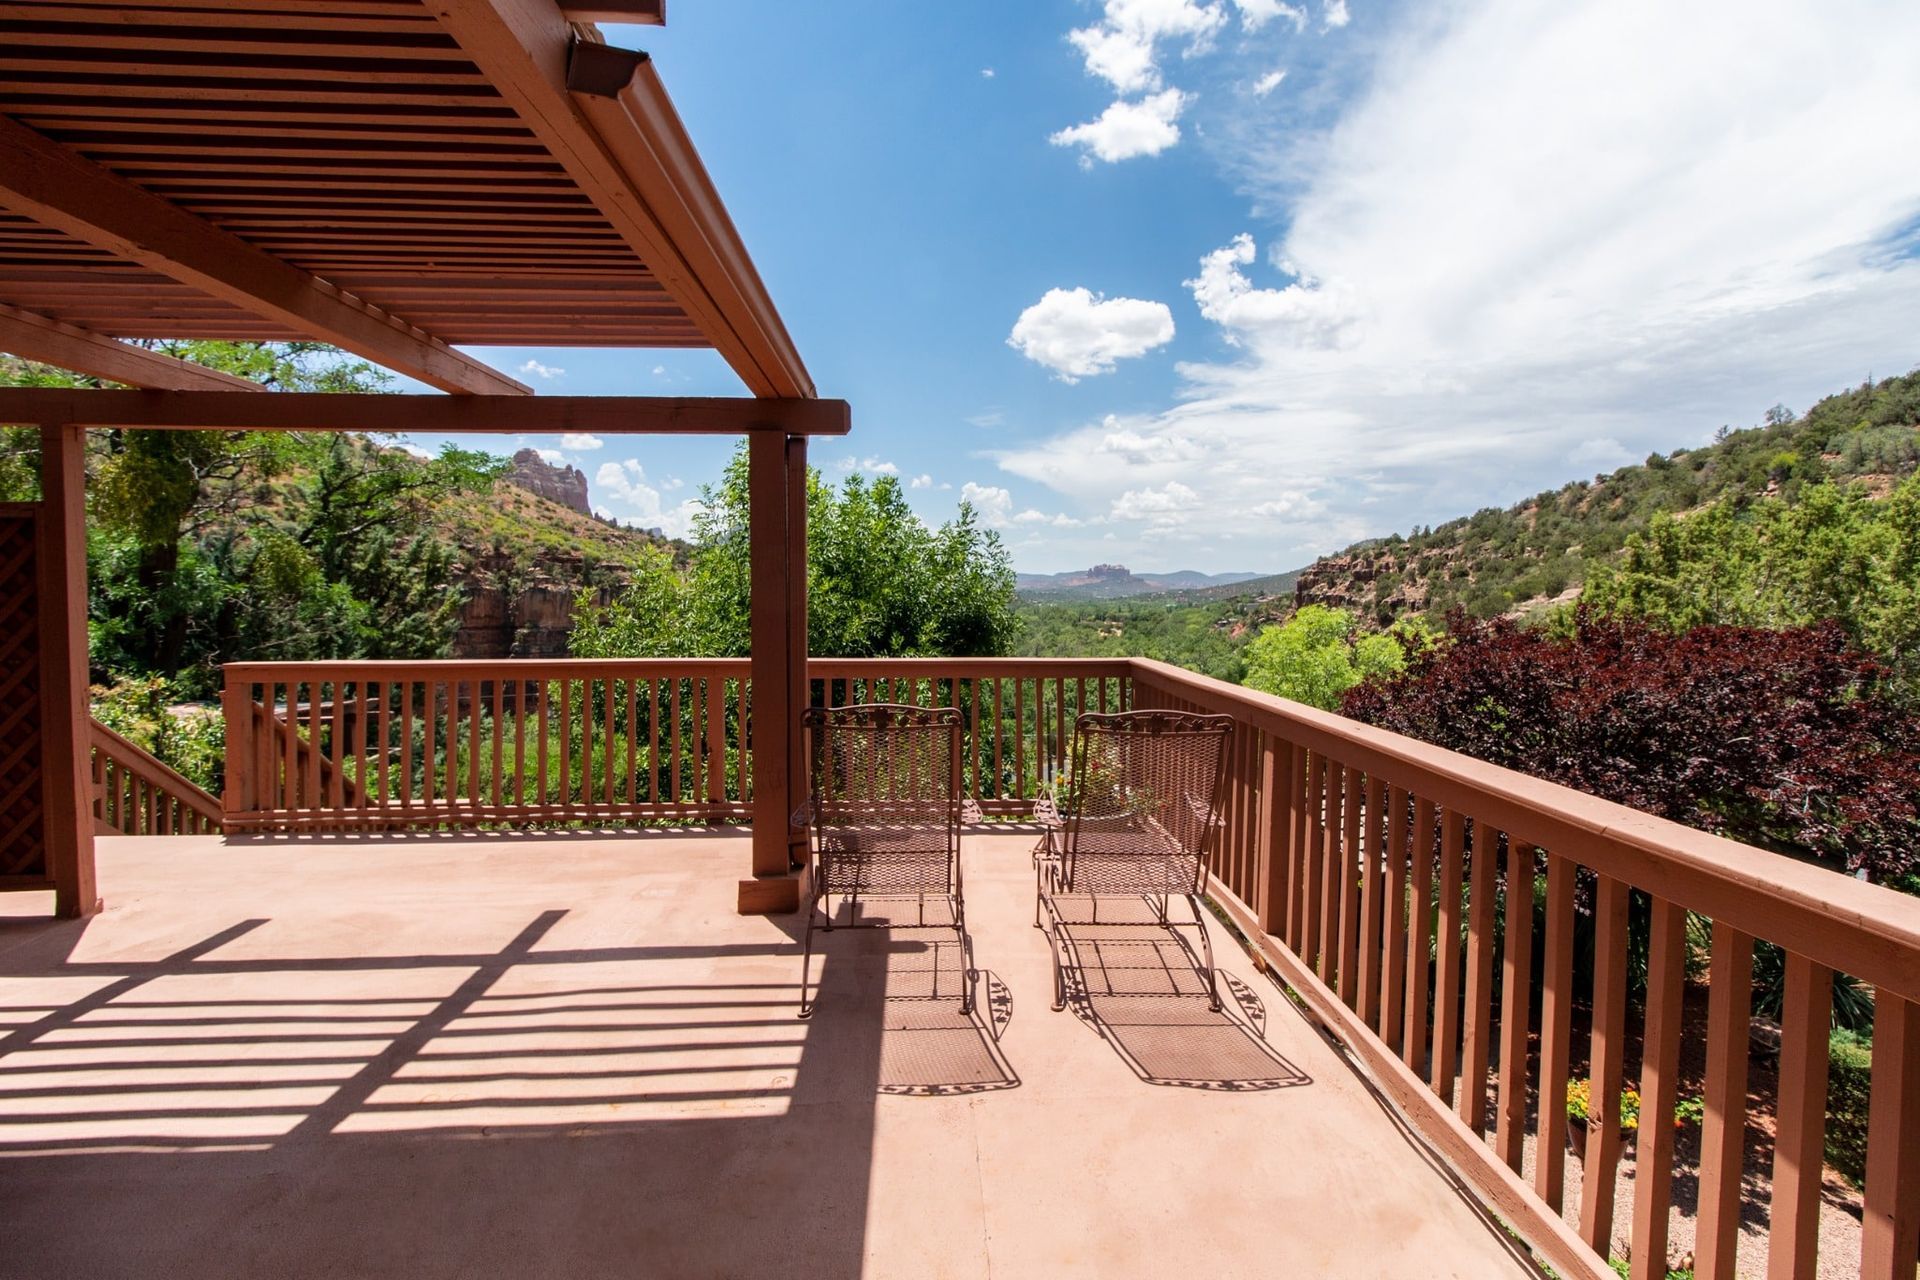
881	860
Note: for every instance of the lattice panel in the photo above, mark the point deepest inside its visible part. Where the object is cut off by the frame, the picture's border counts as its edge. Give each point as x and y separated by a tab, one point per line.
23	846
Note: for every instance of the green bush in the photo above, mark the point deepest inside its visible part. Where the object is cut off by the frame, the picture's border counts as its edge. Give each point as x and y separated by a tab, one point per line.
1849	1092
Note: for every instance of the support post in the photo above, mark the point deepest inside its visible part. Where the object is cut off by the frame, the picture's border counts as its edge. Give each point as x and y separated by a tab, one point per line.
66	775
776	693
801	693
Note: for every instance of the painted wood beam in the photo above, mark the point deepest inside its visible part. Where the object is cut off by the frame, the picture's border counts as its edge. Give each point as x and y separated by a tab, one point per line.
641	173
61	188
32	336
648	13
496	415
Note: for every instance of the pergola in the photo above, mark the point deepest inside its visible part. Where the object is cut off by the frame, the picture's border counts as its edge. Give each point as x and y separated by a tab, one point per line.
393	177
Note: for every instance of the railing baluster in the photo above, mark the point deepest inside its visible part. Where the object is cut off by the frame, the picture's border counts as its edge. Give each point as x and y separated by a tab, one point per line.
1608	1057
1890	1230
540	748
1413	1047
1723	1134
1019	741
1659	1089
1516	989
1446	978
1394	923
1556	1034
1476	1048
673	780
1373	908
1330	873
1799	1148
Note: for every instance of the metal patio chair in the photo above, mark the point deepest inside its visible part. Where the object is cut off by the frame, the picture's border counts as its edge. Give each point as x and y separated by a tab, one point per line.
1142	807
884	809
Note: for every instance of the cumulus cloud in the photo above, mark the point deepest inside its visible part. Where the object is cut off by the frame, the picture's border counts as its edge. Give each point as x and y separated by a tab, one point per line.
986	73
1308	312
1078	333
994	503
1122	47
552	457
1127	129
870	465
1534	235
1255	14
1267	83
921	482
1335	15
545	372
628	494
580	441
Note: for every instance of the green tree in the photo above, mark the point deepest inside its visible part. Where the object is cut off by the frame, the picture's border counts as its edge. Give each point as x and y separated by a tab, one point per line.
880	583
1314	657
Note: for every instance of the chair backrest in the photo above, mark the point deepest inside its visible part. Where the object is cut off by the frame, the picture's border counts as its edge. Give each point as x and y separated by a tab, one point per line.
1143	800
884	763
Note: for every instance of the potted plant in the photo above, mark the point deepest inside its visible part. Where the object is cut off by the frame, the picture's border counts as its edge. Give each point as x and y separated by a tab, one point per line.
1580	1115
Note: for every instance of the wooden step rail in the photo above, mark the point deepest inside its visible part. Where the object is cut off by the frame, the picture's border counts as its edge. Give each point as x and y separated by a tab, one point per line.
1393	885
136	795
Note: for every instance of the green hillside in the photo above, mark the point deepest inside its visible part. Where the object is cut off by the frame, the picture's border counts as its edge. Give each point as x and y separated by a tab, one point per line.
1499	561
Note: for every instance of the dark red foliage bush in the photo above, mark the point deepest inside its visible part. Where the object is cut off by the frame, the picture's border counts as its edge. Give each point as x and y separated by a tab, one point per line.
1785	739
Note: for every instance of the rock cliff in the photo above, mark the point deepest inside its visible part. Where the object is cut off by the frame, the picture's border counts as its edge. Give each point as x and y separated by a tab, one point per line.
564	485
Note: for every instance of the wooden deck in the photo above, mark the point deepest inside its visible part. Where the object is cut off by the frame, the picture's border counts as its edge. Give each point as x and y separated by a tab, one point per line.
570	1056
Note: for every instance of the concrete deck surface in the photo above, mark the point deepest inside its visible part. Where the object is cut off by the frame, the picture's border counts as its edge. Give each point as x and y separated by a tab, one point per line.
532	1056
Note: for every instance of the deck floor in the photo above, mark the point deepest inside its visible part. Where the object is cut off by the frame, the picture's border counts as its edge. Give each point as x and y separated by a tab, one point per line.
468	1056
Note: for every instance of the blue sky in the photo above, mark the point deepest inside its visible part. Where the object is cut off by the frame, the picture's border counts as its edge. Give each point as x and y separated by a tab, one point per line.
1100	267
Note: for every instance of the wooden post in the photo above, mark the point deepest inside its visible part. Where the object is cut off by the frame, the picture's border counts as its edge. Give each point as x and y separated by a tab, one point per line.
66	775
800	691
776	707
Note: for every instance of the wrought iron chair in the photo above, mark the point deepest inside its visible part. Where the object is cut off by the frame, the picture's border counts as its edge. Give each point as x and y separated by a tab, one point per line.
1142	806
884	809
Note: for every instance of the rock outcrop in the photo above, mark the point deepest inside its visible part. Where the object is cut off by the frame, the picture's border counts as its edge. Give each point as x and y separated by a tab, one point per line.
564	485
526	611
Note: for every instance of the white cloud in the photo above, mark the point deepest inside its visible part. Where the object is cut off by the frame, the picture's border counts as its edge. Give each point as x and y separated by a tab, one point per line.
990	418
921	482
1536	231
986	73
994	503
1127	129
416	451
546	372
580	441
871	465
1166	505
1308	312
552	457
1078	333
1335	15
1255	14
1122	47
1267	83
630	496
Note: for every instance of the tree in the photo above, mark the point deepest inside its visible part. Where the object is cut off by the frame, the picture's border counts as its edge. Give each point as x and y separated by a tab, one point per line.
1314	656
1834	553
1786	739
880	583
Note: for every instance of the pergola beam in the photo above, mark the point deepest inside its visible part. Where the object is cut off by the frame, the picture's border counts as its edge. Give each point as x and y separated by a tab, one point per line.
649	13
60	188
644	176
32	336
398	414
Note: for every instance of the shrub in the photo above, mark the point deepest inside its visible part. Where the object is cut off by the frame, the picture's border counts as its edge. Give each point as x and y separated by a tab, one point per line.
1785	739
1849	1093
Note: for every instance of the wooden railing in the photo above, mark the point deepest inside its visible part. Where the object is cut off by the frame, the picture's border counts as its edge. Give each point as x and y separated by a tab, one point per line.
134	794
1395	887
1463	929
388	745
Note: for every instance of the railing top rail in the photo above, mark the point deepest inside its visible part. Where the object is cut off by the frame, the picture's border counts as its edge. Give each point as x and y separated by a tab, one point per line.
1113	668
445	668
1866	930
132	757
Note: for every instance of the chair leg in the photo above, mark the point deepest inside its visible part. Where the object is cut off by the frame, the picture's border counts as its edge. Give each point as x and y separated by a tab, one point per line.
806	958
1206	949
966	955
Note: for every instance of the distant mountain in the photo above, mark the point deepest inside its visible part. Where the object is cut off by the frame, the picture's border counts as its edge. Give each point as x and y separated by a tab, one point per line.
1116	581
